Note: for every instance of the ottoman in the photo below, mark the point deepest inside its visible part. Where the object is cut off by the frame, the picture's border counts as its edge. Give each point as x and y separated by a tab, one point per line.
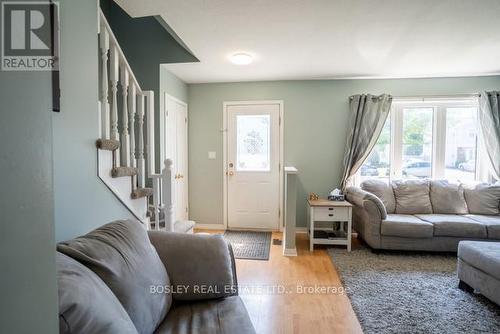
479	268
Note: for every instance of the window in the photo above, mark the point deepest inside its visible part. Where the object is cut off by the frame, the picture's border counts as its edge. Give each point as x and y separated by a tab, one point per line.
377	165
426	138
253	143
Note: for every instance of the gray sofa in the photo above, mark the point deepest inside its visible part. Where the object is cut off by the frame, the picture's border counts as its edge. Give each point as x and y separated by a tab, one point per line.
121	279
424	215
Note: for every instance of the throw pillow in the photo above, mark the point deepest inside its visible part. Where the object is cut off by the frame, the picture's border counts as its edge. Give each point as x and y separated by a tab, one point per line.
121	254
412	196
483	199
86	304
383	191
448	198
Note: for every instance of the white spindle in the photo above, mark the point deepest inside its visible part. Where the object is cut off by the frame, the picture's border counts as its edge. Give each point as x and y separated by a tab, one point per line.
125	144
150	132
104	44
114	72
156	201
132	95
140	149
168	194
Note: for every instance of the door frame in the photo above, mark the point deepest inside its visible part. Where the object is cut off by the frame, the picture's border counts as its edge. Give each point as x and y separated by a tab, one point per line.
225	105
164	138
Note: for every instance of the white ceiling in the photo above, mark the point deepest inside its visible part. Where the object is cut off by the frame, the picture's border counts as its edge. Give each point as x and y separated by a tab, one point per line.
320	39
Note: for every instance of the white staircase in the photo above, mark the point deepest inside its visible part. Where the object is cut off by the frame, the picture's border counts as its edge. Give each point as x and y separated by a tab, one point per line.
126	147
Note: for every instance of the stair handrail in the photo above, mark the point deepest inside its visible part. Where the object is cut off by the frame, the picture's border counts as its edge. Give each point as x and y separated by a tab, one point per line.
135	139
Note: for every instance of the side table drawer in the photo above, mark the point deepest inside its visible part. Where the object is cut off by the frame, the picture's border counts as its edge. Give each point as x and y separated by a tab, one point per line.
328	214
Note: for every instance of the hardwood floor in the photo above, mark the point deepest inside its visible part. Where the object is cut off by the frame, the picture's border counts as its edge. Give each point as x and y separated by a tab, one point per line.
295	311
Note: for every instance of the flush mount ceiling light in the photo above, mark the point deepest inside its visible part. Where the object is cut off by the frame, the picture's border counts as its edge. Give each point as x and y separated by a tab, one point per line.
241	59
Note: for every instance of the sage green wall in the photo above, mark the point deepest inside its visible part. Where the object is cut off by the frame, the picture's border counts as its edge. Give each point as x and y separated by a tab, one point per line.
28	291
315	120
172	85
82	201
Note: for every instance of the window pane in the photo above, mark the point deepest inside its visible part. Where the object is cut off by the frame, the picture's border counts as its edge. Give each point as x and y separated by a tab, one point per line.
417	143
377	165
461	133
253	142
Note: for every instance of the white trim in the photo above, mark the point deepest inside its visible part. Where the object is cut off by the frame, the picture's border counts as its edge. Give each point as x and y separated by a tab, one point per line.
281	127
290	252
210	226
301	230
163	131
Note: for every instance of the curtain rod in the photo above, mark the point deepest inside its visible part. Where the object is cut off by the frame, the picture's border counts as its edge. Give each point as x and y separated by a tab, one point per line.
437	96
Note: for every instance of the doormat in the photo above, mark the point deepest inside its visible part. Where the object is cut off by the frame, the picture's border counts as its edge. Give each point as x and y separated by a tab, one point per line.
249	245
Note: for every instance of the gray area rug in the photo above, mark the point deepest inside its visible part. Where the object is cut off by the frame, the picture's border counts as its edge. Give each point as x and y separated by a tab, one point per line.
411	293
249	245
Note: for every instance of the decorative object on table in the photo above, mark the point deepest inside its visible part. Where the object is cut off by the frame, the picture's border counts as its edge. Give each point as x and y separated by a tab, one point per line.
337	213
313	196
375	283
336	195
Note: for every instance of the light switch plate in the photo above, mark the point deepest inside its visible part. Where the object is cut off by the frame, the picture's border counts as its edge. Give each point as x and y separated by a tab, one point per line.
211	155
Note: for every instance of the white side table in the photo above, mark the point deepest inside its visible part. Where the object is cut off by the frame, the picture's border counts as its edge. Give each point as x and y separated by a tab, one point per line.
330	211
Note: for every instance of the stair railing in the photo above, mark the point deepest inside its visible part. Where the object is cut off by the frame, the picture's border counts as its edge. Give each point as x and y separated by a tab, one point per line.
129	120
164	196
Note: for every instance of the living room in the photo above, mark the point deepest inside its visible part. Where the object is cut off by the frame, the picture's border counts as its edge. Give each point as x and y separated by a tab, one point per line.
265	167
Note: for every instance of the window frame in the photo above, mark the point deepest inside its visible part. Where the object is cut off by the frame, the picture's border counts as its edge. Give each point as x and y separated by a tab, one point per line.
439	129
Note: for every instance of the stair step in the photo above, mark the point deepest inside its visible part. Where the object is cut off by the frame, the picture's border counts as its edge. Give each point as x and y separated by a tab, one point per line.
123	171
107	144
141	192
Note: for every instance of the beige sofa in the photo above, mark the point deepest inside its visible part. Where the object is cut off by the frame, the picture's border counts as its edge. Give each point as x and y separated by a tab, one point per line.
424	215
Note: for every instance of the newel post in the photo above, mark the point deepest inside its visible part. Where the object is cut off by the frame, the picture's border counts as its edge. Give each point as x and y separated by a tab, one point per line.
168	189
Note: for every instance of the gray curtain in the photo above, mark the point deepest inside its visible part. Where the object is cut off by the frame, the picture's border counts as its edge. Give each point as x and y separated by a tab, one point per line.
367	117
489	119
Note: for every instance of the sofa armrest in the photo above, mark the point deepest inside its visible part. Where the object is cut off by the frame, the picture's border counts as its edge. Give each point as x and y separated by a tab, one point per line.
200	266
365	199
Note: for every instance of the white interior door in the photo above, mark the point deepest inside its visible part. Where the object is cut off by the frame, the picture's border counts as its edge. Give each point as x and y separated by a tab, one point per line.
253	161
177	149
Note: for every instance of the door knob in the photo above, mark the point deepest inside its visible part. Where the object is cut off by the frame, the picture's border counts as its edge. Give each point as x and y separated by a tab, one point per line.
231	173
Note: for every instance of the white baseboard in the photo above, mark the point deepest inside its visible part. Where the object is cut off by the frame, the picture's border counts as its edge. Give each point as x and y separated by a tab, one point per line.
290	251
301	230
210	226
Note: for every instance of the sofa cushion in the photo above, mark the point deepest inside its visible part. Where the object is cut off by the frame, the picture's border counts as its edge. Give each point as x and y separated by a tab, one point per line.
194	261
412	196
447	197
227	315
483	199
483	255
455	226
383	191
86	304
407	226
121	254
492	224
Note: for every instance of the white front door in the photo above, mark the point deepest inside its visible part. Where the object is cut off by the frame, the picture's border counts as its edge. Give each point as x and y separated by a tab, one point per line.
177	148
253	162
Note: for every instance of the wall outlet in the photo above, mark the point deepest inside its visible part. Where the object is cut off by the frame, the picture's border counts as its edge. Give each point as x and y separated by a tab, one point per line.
211	155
